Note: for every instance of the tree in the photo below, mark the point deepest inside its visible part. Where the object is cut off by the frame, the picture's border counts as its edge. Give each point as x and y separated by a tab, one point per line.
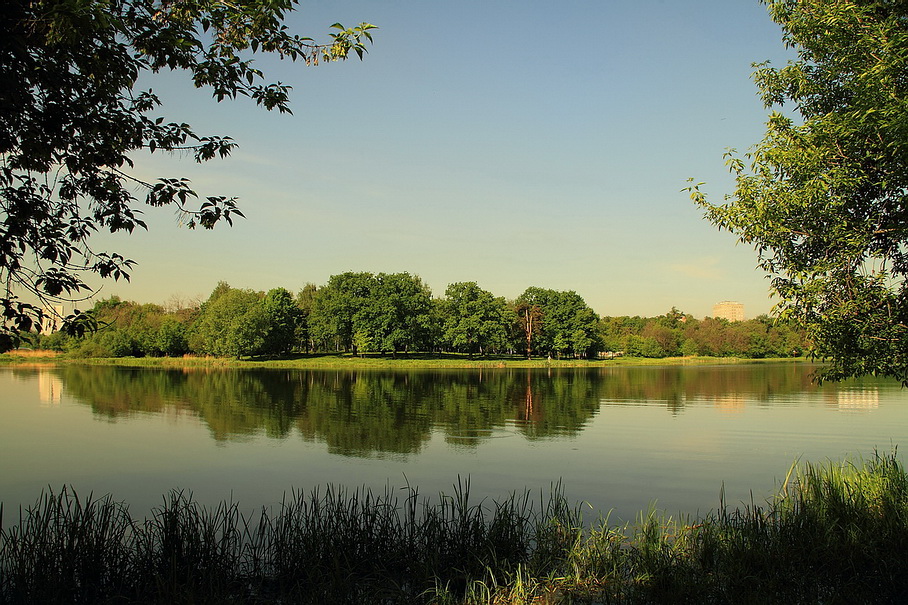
72	122
397	313
528	323
129	328
386	312
171	337
331	321
474	320
305	301
232	323
284	319
822	197
574	324
560	315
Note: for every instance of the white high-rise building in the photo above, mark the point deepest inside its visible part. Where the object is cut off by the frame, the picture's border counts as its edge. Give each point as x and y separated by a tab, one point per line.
730	310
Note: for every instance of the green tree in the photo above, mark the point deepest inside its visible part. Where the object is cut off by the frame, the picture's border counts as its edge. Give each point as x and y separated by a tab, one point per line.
390	312
689	347
171	338
125	329
73	122
129	328
397	314
247	333
642	346
305	301
231	323
283	318
823	196
666	339
562	315
362	342
534	307
337	303
528	324
474	320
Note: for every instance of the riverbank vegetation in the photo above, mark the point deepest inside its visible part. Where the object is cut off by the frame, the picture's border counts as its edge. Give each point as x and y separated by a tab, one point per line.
393	315
834	533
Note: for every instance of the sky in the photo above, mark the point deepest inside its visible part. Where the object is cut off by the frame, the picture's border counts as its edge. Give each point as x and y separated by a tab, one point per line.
509	143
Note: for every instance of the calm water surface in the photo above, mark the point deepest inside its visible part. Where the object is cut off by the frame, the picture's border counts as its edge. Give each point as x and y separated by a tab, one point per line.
618	438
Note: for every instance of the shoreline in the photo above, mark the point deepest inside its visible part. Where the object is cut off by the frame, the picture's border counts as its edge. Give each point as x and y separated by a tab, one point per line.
407	362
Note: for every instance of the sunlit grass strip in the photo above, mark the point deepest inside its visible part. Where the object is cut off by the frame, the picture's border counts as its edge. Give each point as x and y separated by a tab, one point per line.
409	362
32	353
835	533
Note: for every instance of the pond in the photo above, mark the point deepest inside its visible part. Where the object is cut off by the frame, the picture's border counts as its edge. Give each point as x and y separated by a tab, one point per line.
620	439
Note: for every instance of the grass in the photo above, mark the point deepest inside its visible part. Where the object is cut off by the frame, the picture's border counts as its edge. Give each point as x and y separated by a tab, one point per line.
33	354
402	362
835	533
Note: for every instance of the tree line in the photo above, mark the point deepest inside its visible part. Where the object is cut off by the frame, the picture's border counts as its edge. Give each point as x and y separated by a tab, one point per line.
820	197
363	313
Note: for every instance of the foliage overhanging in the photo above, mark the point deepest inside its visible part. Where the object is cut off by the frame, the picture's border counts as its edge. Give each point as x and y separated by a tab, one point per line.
824	196
72	121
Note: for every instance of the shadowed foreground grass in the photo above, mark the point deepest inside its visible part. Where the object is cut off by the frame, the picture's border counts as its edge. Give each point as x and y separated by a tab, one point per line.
836	533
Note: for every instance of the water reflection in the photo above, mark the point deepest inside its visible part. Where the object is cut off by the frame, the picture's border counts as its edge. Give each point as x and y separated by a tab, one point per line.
618	437
728	387
354	412
50	389
363	413
861	399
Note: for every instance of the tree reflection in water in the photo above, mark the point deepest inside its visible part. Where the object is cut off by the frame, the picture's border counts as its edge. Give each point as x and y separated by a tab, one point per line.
371	412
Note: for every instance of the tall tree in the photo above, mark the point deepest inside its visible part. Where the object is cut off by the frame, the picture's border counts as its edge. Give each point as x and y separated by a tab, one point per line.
528	323
565	323
72	120
474	320
232	323
337	303
823	196
305	301
397	314
530	308
284	319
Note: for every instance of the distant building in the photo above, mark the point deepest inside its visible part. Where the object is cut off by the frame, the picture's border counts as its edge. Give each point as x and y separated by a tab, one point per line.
53	319
730	310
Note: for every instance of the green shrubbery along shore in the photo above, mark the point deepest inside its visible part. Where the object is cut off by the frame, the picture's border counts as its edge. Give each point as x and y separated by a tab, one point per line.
835	533
366	314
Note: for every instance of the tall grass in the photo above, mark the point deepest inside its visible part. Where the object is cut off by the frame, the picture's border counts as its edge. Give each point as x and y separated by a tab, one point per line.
328	546
835	533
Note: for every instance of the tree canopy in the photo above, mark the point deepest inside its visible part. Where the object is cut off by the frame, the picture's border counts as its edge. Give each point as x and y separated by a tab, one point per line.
387	312
72	120
474	319
556	323
824	196
364	313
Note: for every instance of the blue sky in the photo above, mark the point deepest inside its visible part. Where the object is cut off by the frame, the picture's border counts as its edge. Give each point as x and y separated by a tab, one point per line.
510	143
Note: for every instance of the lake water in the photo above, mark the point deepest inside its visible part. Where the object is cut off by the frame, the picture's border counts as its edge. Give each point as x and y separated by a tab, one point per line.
618	438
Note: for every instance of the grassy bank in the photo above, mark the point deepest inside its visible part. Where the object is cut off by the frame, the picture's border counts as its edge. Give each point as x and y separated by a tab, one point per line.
403	362
836	533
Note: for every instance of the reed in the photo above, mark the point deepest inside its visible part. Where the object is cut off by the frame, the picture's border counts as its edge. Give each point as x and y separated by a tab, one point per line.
330	545
836	532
